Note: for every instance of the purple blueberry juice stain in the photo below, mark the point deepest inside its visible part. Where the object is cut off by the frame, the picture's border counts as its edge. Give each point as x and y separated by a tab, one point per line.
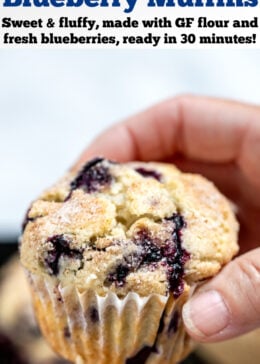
176	260
92	177
152	252
118	276
161	324
93	314
170	253
59	247
149	173
141	356
66	332
148	254
174	323
178	221
150	249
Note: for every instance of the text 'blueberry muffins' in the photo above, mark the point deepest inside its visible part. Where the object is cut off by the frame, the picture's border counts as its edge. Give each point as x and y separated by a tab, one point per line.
113	251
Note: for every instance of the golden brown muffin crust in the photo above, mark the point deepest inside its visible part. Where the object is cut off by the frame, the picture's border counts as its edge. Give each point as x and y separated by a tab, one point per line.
129	227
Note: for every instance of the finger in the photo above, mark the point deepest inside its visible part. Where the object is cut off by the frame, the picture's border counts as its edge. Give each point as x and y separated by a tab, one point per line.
201	128
216	172
229	305
228	177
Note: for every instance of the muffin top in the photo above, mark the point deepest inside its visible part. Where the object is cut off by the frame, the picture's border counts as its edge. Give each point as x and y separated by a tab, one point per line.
132	227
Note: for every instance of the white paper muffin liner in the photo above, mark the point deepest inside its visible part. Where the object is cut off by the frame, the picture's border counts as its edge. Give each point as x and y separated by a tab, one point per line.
86	328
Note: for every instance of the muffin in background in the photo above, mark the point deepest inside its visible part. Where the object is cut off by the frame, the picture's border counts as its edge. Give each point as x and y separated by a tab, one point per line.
112	253
21	341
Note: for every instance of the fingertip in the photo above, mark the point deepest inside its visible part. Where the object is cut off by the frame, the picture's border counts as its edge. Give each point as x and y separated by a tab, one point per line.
206	315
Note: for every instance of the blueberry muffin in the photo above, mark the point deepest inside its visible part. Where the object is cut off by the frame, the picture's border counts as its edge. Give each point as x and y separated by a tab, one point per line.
112	253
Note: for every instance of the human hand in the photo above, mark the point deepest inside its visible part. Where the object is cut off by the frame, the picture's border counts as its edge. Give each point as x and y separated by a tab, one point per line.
221	140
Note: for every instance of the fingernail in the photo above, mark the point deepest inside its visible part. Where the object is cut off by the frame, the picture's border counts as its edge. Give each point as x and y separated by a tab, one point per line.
206	314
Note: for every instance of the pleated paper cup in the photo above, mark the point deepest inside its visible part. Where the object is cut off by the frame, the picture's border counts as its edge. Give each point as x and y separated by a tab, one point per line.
84	327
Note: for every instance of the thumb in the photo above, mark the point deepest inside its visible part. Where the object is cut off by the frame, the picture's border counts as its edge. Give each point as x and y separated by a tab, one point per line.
228	305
